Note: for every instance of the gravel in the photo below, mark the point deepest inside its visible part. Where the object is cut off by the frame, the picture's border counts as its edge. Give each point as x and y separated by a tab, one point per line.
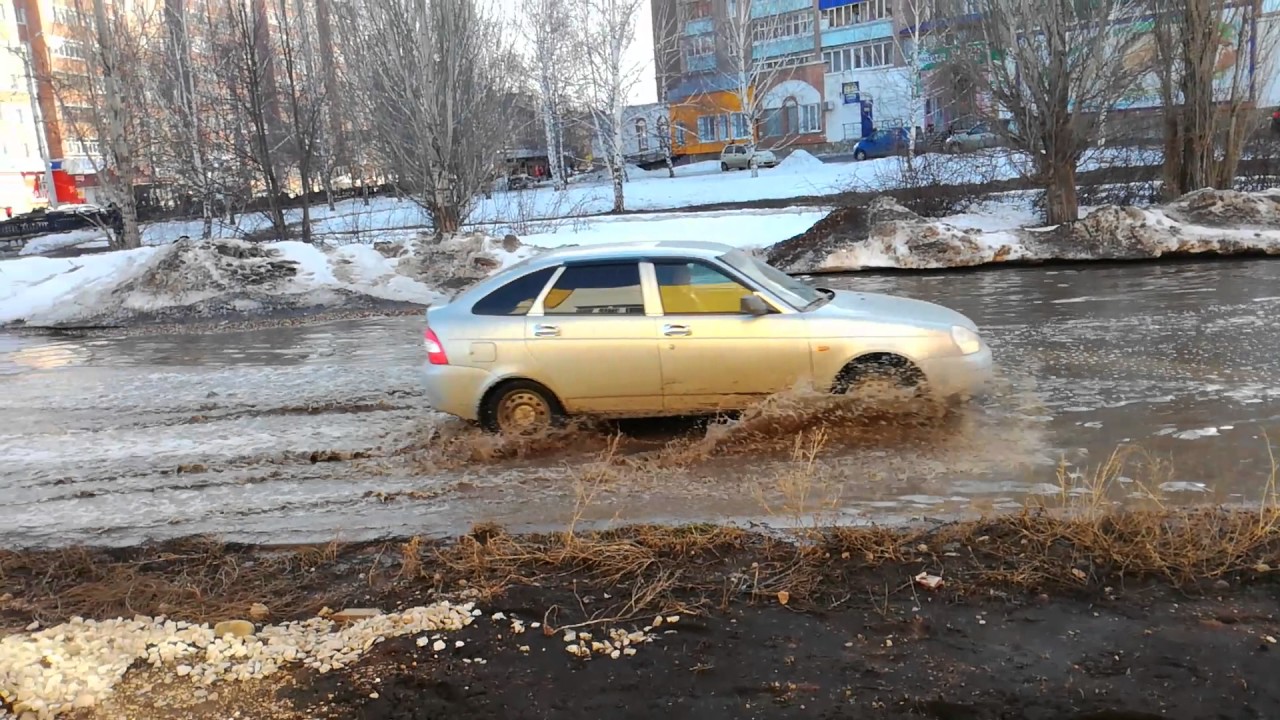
75	665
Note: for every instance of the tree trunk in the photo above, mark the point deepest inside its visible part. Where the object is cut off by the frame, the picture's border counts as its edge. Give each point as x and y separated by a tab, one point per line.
206	227
615	174
304	173
447	221
1062	204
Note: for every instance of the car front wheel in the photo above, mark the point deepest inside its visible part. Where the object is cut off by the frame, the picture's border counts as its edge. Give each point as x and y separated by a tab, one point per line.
860	155
724	167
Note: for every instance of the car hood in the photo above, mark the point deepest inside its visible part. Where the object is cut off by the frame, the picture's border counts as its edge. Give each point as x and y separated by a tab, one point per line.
894	309
764	153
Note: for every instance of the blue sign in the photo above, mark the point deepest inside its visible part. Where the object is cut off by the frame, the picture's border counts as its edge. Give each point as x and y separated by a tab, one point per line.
828	4
851	93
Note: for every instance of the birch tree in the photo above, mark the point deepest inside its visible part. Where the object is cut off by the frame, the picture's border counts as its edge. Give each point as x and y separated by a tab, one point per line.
1202	55
749	25
1055	66
430	77
553	64
607	31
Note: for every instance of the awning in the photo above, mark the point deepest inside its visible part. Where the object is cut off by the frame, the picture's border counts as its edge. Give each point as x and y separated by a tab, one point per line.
828	4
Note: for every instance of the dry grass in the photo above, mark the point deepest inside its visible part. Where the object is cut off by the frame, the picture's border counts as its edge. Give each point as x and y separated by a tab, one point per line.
1081	539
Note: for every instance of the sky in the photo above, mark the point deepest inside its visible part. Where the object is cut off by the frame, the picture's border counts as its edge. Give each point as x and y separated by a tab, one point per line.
639	55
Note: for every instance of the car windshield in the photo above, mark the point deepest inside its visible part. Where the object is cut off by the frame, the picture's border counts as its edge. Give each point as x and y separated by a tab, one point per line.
796	293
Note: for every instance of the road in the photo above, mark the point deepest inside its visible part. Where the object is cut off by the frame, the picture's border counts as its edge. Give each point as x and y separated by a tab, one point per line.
309	433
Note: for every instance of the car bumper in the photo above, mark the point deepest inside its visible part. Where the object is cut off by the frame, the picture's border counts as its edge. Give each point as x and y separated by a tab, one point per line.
455	389
960	375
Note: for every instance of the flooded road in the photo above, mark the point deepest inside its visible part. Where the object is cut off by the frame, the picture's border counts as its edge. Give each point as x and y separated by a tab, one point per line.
310	433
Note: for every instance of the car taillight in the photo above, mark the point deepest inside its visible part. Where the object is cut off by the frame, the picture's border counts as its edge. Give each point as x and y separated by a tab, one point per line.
435	351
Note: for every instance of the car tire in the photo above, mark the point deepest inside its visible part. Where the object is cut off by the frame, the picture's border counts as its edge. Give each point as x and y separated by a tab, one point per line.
724	167
520	407
860	155
885	382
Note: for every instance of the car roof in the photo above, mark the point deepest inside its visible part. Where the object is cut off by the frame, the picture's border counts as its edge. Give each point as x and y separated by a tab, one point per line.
603	251
628	250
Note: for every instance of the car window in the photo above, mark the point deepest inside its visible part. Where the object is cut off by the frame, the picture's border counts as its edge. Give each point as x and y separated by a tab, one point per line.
792	291
596	290
692	288
516	297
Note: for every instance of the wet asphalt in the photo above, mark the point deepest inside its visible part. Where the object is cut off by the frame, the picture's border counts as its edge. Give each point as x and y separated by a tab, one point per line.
1158	382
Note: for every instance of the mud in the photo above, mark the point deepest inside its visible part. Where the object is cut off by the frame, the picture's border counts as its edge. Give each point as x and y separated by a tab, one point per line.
1002	637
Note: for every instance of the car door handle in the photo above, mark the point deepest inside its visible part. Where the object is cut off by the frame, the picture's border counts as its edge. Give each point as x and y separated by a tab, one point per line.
546	330
676	330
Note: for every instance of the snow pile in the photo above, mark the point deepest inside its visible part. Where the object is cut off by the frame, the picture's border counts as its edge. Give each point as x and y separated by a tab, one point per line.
800	160
231	278
887	235
76	665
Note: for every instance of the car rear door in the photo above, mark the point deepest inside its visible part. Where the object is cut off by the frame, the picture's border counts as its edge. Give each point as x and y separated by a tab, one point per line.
714	356
593	343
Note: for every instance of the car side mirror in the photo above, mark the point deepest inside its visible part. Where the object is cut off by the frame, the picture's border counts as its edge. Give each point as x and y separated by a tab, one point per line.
753	305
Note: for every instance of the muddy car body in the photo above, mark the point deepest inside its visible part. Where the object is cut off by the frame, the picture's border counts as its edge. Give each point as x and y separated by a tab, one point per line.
674	329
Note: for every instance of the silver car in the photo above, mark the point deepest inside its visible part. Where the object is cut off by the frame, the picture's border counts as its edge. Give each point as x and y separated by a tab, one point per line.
740	157
676	328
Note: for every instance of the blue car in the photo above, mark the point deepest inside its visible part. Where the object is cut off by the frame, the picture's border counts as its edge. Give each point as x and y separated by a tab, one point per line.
882	143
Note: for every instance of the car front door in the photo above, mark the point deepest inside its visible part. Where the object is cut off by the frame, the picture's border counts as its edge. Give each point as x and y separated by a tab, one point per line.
715	356
593	344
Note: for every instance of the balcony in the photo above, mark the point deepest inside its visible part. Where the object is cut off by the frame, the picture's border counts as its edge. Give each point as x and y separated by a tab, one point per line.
700	26
862	32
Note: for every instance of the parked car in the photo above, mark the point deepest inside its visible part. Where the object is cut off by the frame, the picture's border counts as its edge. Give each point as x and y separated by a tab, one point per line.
519	181
739	157
882	143
975	138
677	328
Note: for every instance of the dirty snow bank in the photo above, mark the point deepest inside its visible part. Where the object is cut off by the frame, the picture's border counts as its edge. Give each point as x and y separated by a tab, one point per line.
885	234
191	280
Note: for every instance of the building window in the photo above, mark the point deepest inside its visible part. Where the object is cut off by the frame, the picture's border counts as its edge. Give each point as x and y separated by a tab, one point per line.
698	47
741	128
778	27
73	49
693	10
858	57
852	131
681	134
855	13
708	128
21	16
642	134
811	118
66	15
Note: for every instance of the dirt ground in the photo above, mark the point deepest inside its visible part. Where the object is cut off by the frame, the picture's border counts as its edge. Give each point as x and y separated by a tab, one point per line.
1143	615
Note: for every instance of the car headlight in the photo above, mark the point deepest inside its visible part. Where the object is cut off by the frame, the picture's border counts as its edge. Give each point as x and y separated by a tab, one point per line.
966	339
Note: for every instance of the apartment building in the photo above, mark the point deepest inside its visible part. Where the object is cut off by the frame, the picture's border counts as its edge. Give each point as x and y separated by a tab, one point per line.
840	72
23	144
701	56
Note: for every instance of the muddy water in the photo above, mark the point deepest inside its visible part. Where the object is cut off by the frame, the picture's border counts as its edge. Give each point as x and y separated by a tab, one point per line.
304	433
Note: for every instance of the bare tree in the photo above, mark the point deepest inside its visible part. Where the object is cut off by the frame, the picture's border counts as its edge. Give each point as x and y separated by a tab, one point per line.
1203	55
666	59
748	27
913	44
1055	67
431	77
607	31
251	86
553	65
100	91
303	92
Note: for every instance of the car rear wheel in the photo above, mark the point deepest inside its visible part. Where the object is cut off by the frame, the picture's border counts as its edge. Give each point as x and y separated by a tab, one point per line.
860	155
521	407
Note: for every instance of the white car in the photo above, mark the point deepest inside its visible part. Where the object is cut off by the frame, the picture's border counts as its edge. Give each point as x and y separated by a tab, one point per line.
652	329
739	157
